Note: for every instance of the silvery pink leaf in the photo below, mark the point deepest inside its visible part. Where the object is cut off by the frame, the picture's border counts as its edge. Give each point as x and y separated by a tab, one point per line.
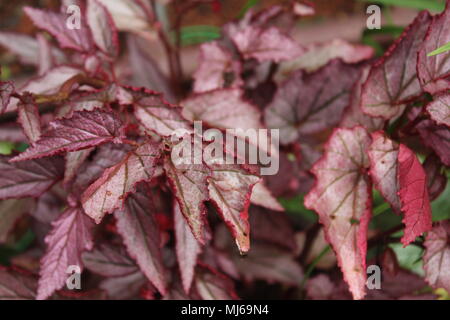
413	195
310	103
15	285
145	69
56	24
393	79
30	121
71	235
434	71
212	285
303	9
437	256
27	48
109	261
187	248
137	225
437	138
28	178
110	191
354	115
383	154
74	160
129	15
46	61
217	69
439	109
262	196
102	28
157	115
318	55
266	44
6	89
188	183
230	187
342	197
84	129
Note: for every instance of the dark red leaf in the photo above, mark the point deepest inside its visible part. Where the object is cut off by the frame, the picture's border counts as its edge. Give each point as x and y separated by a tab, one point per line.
439	109
30	121
212	285
437	138
6	89
74	160
15	285
436	178
10	212
109	261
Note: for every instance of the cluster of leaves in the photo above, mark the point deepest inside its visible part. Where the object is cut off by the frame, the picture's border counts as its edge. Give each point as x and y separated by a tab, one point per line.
99	188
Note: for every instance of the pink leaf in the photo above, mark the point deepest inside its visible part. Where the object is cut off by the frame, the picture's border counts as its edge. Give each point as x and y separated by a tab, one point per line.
342	198
437	256
157	115
230	188
437	138
29	178
265	44
112	188
70	236
383	154
137	225
187	248
109	261
217	68
212	285
45	54
83	130
439	110
434	71
56	24
413	195
30	121
102	28
10	212
262	196
188	182
310	103
436	178
15	285
393	79
6	89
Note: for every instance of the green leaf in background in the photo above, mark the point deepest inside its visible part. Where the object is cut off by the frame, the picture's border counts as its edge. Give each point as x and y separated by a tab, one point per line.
295	206
440	50
6	147
247	6
5	73
441	206
369	37
193	35
409	258
7	252
432	5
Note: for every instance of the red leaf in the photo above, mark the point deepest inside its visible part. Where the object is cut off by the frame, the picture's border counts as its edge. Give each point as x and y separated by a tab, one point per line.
30	121
188	183
217	69
29	178
439	109
16	286
393	79
310	103
123	288
137	225
10	212
265	44
212	285
230	188
56	24
112	188
383	154
6	89
413	195
102	28
70	236
157	115
437	256
434	70
74	160
83	130
187	248
342	198
108	261
437	138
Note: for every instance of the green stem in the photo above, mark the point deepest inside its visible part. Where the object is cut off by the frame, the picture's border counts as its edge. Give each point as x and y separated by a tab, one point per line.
381	208
312	266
